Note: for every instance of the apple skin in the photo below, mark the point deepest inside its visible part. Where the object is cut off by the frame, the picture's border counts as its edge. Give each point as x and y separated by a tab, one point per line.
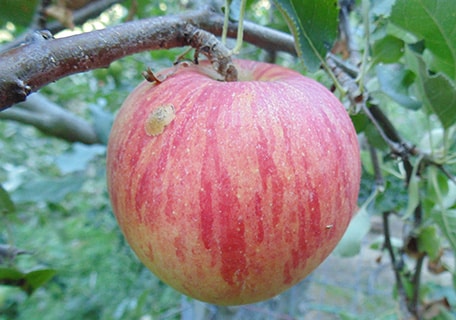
249	187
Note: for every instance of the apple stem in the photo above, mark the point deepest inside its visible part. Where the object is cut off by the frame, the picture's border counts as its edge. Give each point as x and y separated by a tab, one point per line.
207	44
150	76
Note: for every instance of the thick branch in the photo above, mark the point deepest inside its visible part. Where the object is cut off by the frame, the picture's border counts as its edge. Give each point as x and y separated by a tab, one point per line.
33	65
29	67
91	10
51	119
260	36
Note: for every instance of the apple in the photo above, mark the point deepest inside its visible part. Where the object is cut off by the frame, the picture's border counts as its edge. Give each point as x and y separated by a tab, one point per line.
232	192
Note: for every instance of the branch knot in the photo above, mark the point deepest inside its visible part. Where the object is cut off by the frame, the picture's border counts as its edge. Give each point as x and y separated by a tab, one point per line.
207	44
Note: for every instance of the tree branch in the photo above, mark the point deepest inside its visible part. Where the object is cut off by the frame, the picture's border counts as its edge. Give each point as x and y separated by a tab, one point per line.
51	119
91	10
260	36
31	66
397	268
8	253
39	21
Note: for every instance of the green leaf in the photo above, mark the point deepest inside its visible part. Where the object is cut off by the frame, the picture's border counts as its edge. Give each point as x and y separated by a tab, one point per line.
78	157
438	91
17	11
38	278
394	82
314	27
408	285
6	204
48	189
446	220
435	141
441	97
442	205
28	282
350	244
388	49
413	192
102	122
374	137
379	243
434	22
395	196
441	191
360	121
9	274
346	316
444	314
429	241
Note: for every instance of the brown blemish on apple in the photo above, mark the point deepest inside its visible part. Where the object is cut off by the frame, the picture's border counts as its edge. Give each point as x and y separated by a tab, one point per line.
159	119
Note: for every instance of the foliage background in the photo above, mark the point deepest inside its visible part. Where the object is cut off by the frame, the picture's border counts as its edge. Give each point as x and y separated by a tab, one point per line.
62	216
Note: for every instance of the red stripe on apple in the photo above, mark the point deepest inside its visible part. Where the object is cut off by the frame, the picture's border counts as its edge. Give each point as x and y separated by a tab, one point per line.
230	200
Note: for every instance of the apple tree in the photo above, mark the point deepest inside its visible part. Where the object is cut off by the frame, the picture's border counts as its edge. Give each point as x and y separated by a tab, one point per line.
66	67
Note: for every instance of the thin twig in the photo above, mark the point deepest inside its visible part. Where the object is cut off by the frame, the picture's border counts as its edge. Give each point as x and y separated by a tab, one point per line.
397	267
379	181
416	281
40	19
416	278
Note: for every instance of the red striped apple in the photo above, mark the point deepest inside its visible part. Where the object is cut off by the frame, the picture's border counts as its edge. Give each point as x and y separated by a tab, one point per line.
232	192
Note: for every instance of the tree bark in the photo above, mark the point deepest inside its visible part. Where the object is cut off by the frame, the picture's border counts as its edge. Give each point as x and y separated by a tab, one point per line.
34	64
51	119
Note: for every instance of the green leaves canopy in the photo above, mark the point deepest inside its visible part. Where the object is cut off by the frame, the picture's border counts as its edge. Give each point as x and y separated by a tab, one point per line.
434	22
428	30
314	26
